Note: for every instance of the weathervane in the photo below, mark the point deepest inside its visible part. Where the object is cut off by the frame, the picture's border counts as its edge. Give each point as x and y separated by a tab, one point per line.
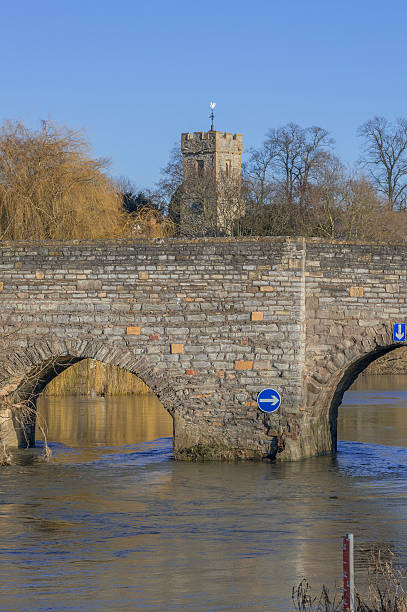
212	116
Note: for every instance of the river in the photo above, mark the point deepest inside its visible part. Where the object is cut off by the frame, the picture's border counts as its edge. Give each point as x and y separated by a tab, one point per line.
111	522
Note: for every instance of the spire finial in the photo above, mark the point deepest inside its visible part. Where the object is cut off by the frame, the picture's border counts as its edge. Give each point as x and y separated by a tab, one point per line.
212	116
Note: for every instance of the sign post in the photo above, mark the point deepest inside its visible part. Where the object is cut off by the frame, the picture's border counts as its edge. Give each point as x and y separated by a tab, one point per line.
348	575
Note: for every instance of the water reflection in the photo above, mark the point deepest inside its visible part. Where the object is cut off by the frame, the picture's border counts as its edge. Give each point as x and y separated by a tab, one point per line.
112	523
374	411
86	422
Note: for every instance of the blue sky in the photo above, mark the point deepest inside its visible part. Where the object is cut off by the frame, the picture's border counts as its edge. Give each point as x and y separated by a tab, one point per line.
136	74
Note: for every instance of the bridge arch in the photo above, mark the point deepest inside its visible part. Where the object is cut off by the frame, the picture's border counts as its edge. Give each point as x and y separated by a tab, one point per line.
25	373
334	375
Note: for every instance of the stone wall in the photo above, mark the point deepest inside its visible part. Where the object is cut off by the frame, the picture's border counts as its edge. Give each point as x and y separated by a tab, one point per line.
207	324
354	294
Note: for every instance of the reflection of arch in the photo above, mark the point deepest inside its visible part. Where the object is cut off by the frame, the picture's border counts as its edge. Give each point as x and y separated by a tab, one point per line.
25	373
334	374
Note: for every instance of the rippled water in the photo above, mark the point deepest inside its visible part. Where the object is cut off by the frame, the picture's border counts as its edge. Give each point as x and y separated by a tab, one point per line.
113	523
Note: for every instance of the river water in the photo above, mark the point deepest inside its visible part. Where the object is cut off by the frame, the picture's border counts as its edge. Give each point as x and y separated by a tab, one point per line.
111	522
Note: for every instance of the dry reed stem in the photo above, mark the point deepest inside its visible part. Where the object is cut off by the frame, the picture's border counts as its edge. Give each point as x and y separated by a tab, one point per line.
386	591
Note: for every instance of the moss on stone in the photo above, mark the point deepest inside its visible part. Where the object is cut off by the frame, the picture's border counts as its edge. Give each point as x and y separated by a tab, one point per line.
217	452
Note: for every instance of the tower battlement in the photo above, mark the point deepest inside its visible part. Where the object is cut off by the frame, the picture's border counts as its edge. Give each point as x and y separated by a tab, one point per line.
212	141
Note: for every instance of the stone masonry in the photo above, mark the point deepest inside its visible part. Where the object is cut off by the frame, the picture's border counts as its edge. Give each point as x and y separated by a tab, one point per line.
206	324
212	168
215	149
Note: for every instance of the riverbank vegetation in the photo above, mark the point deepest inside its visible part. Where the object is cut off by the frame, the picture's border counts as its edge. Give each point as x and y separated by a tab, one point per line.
386	591
90	378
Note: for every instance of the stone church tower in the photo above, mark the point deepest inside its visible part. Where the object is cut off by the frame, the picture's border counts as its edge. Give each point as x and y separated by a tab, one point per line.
211	201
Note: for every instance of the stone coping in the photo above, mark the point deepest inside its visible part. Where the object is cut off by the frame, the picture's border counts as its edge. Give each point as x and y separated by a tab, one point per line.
201	240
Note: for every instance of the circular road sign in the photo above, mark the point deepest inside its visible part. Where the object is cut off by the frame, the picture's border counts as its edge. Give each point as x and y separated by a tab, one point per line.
268	400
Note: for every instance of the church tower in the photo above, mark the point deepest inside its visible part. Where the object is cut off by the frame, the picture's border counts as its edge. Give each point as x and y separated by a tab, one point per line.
211	200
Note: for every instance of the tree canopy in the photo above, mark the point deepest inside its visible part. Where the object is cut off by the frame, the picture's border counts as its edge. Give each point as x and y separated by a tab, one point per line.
51	187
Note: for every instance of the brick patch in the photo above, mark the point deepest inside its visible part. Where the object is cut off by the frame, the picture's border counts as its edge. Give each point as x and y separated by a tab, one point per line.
243	365
177	348
266	288
356	291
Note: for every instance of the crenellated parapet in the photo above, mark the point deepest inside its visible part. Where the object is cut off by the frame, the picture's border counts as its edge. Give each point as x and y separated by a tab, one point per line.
211	142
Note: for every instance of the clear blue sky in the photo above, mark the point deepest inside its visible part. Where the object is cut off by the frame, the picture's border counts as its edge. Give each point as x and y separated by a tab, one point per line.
135	74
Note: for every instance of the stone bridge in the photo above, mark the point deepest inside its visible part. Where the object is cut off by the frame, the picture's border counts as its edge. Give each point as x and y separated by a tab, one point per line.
206	324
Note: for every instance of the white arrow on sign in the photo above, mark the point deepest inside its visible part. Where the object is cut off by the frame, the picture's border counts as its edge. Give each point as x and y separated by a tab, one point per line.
272	400
399	333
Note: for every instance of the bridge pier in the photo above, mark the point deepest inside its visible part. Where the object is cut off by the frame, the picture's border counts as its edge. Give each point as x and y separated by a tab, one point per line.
17	422
8	435
24	420
216	441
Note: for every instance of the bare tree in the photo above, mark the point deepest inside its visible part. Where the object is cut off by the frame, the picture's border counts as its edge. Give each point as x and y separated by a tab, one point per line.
385	154
258	181
326	202
168	190
172	175
283	178
230	203
296	154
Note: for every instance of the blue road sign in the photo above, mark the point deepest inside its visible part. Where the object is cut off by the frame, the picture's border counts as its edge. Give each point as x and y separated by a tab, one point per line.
268	400
399	332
